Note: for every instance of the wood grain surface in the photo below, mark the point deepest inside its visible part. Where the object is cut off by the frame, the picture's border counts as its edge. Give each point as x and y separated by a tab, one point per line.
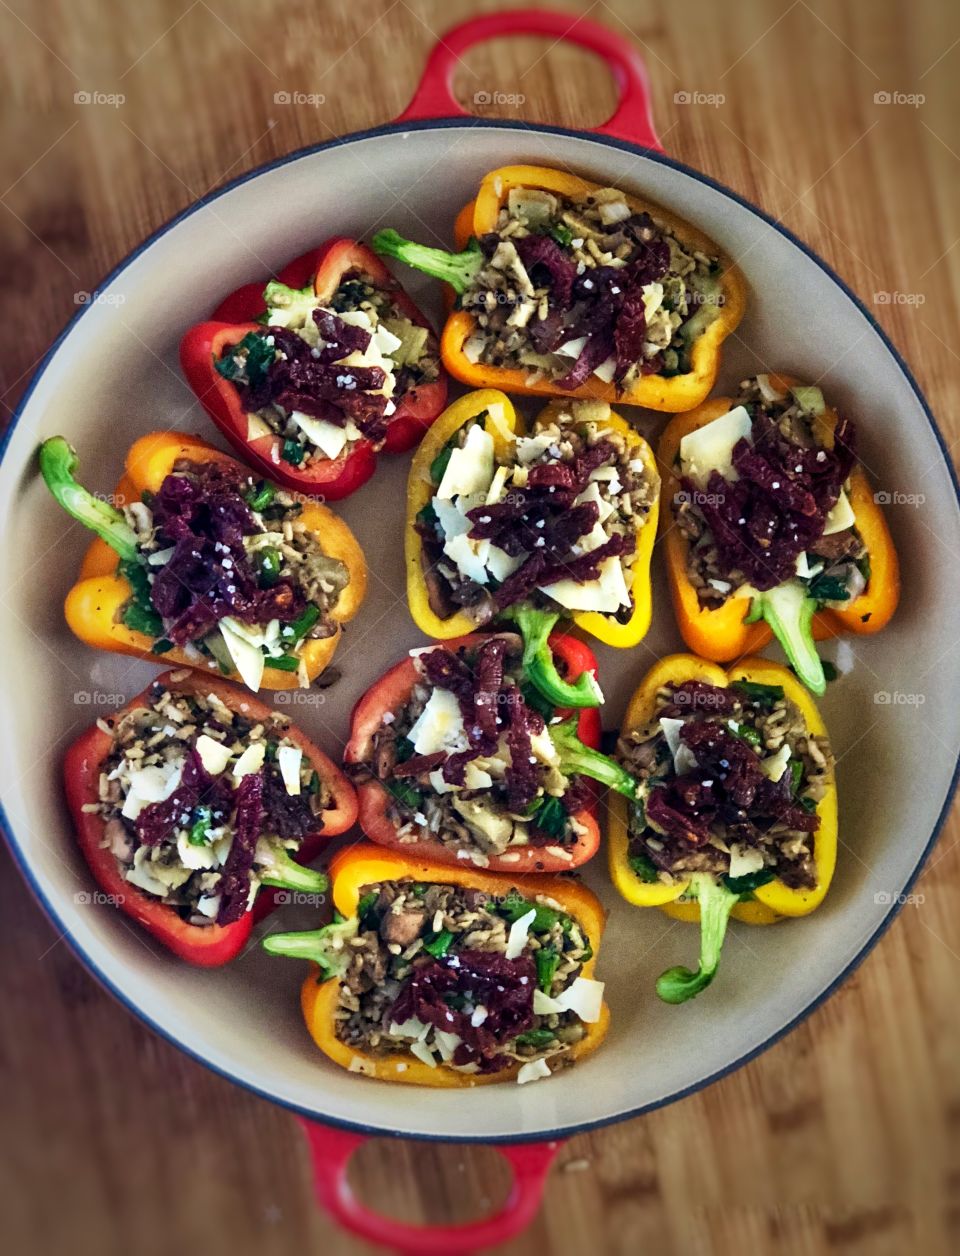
845	1137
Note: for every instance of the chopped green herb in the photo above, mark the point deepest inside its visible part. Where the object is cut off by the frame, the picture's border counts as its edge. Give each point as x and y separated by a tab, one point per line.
269	563
749	881
438	944
427	517
293	452
535	700
551	817
561	233
440	463
405	749
161	646
546	960
405	793
796	775
282	662
199	832
747	734
259	498
248	361
536	1038
764	696
301	626
828	589
365	907
644	867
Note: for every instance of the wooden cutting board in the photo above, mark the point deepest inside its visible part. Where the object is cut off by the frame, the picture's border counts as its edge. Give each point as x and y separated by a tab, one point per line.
845	1136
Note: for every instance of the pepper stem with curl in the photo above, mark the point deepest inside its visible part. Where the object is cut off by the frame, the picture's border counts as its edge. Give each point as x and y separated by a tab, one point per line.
575	757
325	947
789	611
679	984
58	462
457	269
279	869
540	668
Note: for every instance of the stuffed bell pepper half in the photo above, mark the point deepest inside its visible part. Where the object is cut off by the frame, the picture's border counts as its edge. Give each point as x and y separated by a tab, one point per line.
194	797
458	758
737	806
199	561
564	287
505	523
439	976
771	527
311	374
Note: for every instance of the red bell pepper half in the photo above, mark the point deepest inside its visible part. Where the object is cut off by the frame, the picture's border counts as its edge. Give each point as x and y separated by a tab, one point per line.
202	945
326	268
392	692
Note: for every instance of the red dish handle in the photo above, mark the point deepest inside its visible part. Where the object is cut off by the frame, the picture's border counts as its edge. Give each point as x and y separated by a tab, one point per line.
632	119
332	1149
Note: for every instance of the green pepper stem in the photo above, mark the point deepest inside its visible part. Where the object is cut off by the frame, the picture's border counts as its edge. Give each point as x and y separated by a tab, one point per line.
279	869
575	757
58	462
324	947
789	612
679	984
539	666
457	269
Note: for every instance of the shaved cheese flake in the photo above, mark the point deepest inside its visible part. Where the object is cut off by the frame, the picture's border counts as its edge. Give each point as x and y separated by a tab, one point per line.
710	448
683	757
439	725
470	468
214	755
840	517
605	370
543	1005
606	594
329	438
519	932
289	759
775	765
251	760
423	1052
744	860
148	785
592	494
584	996
533	1071
446	1043
469	556
247	658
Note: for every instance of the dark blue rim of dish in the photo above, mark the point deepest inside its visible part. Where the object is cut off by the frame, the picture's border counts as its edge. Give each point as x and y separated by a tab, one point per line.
567	1131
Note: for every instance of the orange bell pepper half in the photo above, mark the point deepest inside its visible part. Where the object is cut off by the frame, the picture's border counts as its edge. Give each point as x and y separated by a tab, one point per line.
683	897
94	607
723	633
353	869
654	391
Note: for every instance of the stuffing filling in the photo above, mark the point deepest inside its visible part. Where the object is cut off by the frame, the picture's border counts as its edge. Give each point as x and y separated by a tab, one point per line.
468	759
552	521
571	289
731	780
323	377
227	572
202	805
464	980
764	499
